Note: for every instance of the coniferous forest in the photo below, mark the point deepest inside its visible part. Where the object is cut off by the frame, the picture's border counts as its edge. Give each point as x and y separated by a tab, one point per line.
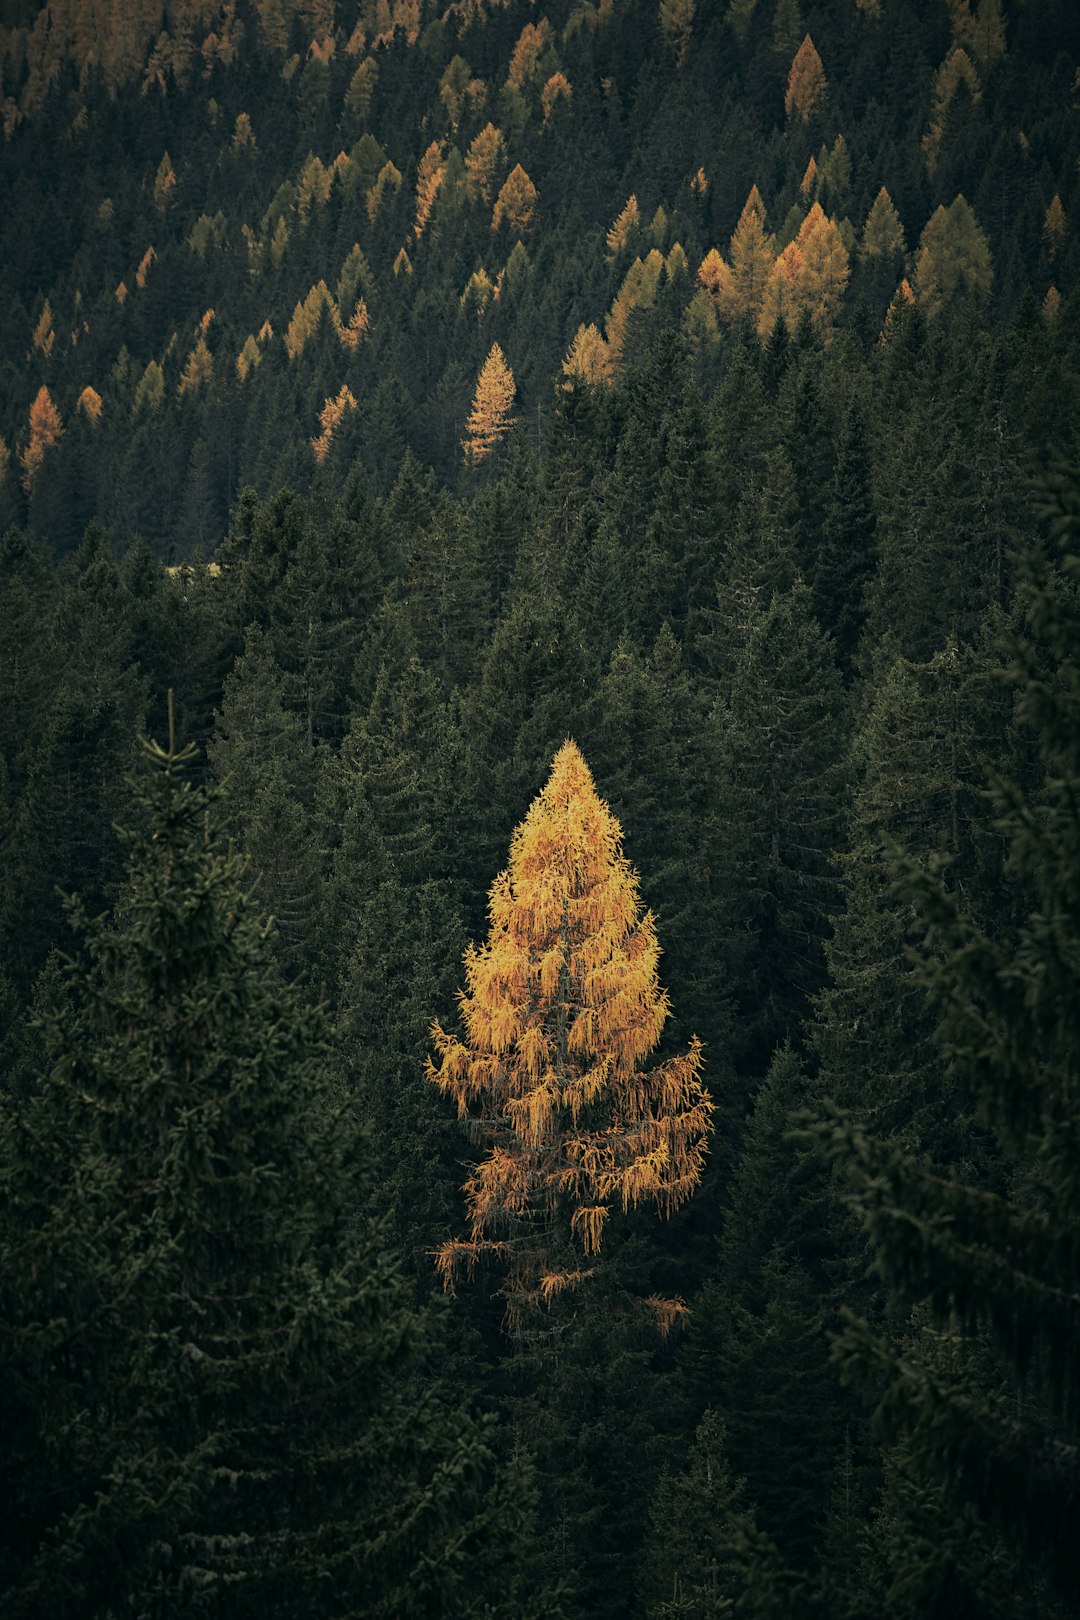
540	809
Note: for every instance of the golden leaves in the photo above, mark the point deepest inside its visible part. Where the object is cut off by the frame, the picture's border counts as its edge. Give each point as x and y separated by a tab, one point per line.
430	174
333	410
46	429
44	331
89	403
807	86
623	228
561	1005
516	203
490	418
484	161
198	369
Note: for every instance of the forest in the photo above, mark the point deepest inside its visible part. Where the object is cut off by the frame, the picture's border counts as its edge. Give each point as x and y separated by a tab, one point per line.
540	809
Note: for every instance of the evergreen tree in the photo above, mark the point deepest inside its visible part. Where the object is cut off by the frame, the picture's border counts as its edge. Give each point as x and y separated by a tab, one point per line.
993	1264
189	1298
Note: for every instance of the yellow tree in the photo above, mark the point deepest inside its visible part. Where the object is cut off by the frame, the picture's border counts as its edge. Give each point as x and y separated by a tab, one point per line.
738	287
89	403
623	228
783	294
430	174
825	268
807	86
198	370
561	1007
484	161
490	418
329	417
1054	227
46	428
589	357
516	202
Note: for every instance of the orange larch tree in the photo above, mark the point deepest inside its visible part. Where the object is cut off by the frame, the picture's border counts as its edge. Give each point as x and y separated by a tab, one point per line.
430	174
484	161
807	85
783	295
623	228
516	203
562	1006
1054	227
46	429
490	417
824	270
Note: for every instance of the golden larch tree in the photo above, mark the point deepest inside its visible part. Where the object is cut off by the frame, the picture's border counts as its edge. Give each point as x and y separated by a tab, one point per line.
89	405
330	416
562	1006
638	291
623	227
490	418
956	70
144	267
478	293
198	370
783	294
430	174
45	331
528	54
516	203
555	90
825	269
388	179
1054	227
46	429
807	85
589	357
361	92
484	162
737	286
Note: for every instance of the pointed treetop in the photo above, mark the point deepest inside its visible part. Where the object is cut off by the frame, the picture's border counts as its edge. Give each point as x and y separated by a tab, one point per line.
807	85
562	1004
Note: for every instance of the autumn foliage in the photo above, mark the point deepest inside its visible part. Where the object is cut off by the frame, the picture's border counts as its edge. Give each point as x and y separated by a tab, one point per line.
807	86
46	428
561	1007
490	417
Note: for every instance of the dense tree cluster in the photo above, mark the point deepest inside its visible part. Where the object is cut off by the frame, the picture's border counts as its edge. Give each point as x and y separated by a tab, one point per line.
407	394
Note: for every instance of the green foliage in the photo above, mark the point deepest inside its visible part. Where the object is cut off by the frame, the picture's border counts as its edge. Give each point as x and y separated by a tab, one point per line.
186	1283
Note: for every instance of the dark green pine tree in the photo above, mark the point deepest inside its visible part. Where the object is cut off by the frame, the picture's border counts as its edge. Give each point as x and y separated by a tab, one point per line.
918	763
994	1264
758	558
211	1402
782	784
73	787
448	594
766	1364
845	557
703	1556
260	758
